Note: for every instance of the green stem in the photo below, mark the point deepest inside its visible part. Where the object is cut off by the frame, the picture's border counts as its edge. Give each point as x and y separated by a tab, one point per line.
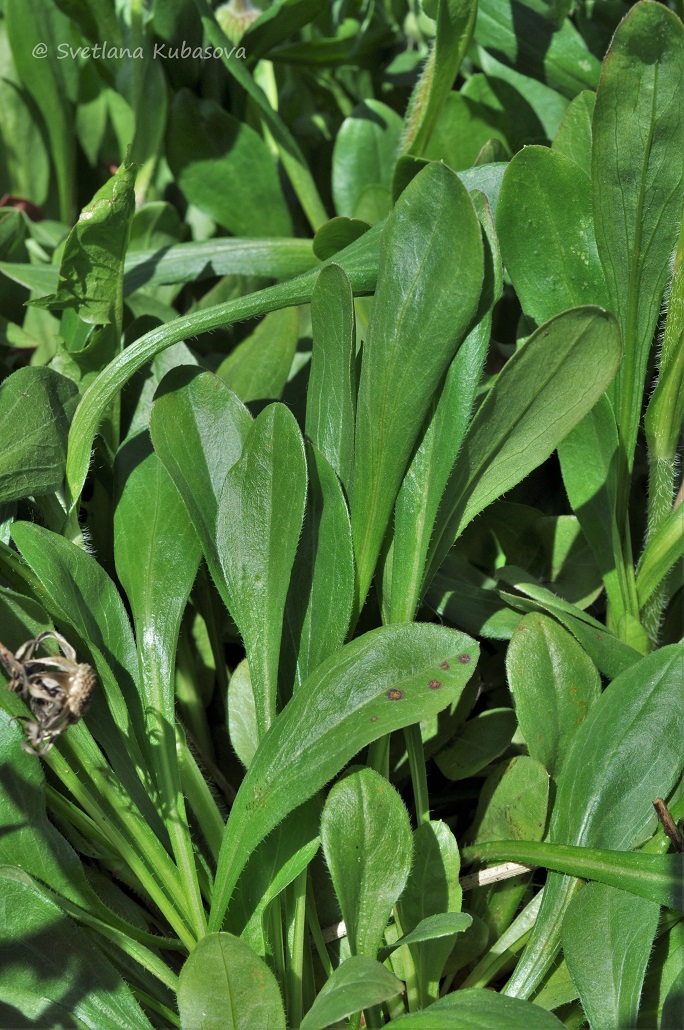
296	915
378	755
416	758
316	932
199	796
122	825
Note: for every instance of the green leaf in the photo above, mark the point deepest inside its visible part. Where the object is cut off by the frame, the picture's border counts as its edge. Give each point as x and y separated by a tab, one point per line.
384	680
50	972
359	261
426	478
27	837
358	983
657	878
278	23
463	128
52	83
637	187
432	888
331	393
259	366
539	396
365	151
480	1010
24	166
242	723
224	168
338	233
198	428
366	837
554	684
157	554
513	802
205	259
662	985
546	228
432	238
526	35
321	592
259	521
610	655
225	985
274	864
574	139
444	924
36	407
91	270
607	939
478	742
664	548
455	21
626	753
589	463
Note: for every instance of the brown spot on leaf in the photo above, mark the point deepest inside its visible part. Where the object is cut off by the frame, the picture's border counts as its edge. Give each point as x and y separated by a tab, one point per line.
444	665
435	685
464	659
394	694
374	718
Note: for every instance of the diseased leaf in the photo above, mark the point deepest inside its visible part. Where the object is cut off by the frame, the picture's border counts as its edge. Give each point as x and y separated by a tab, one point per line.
383	680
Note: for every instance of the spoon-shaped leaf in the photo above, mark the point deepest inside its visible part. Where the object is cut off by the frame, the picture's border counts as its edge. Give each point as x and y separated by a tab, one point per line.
366	837
429	282
258	525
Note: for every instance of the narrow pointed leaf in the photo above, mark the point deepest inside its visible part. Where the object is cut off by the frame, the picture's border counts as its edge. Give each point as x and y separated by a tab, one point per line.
331	394
321	590
423	485
538	397
384	680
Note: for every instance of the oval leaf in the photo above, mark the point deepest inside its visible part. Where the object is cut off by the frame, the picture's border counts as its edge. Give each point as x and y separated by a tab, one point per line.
366	837
358	983
225	986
